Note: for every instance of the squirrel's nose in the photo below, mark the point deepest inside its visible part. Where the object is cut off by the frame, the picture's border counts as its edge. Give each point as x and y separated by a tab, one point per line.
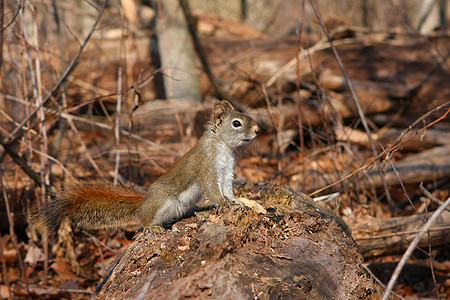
256	129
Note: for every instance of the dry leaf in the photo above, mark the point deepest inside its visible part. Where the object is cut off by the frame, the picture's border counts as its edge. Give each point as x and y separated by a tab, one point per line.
253	205
62	269
34	255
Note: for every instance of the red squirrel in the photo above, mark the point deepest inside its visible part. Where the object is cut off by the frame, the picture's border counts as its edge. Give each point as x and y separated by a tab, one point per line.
207	169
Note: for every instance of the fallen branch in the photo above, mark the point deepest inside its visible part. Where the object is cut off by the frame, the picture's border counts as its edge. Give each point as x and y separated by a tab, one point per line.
20	162
427	165
430	138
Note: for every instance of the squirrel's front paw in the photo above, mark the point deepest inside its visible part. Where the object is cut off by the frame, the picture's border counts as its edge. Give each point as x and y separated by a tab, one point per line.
236	201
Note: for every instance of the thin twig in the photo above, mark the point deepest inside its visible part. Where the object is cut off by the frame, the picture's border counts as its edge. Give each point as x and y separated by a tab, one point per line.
84	148
334	118
60	164
276	126
11	229
172	102
136	103
433	275
430	196
117	126
11	120
13	18
412	247
298	98
5	275
380	282
139	84
2	18
401	183
44	167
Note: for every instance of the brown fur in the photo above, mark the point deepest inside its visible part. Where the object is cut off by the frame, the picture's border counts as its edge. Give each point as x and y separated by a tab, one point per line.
85	204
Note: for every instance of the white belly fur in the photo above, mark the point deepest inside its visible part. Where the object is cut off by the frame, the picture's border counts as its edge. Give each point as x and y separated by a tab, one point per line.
224	165
177	207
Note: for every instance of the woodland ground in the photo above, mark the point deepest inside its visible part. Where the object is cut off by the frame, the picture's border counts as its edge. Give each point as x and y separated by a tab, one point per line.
314	138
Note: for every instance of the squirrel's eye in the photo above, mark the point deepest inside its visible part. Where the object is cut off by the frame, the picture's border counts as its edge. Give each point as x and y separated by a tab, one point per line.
236	123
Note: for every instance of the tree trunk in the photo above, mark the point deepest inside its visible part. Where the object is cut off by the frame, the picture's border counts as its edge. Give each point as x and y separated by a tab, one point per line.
177	53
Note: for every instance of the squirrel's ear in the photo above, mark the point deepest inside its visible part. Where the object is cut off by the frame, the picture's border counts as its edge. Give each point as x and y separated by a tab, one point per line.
221	108
227	105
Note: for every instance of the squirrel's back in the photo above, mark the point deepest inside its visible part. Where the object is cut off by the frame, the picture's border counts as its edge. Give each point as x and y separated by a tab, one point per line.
89	204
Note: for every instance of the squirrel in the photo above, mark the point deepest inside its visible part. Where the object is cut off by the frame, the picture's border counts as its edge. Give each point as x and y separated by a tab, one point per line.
207	169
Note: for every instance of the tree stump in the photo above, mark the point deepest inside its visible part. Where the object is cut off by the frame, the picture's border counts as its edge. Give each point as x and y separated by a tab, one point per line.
293	249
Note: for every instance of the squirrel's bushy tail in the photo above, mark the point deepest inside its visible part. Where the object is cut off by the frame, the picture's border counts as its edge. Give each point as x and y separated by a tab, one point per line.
92	204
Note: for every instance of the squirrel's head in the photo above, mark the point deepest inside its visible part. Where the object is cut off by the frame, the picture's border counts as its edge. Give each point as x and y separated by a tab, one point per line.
232	127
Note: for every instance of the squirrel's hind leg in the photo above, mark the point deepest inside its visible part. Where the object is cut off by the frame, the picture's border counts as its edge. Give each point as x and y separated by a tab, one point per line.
146	230
153	229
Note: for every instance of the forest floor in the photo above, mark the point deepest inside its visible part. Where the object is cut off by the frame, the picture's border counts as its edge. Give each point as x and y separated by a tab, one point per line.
314	140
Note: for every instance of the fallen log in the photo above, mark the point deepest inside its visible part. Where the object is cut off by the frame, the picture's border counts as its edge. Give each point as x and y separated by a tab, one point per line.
294	250
180	115
158	112
379	236
430	138
312	114
428	165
